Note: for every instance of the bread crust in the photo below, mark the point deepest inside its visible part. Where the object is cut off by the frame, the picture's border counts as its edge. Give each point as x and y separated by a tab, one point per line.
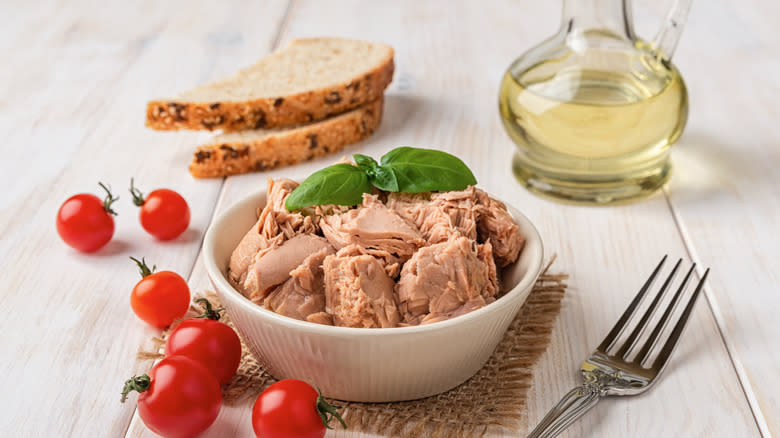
286	147
309	106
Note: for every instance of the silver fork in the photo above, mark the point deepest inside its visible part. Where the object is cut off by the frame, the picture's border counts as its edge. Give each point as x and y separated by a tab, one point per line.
614	374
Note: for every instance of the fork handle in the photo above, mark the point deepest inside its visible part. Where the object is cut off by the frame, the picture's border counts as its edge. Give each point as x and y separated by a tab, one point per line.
571	407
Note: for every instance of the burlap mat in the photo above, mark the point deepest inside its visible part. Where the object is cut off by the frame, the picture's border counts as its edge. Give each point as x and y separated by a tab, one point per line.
494	400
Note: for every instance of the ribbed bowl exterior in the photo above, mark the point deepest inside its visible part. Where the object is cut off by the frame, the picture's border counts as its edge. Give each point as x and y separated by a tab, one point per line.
373	365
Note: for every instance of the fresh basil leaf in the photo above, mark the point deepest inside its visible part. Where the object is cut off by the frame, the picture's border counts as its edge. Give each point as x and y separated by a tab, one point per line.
380	177
384	179
424	170
366	163
340	184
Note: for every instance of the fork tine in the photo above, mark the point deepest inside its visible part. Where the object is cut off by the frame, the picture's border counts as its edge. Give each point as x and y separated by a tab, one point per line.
640	327
644	352
668	347
620	325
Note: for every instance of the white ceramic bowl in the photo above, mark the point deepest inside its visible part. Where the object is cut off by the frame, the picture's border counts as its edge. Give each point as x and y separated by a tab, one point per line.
362	364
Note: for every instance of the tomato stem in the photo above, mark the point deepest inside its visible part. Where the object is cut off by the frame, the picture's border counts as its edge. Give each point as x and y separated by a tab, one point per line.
208	311
143	267
138	196
110	199
136	383
328	411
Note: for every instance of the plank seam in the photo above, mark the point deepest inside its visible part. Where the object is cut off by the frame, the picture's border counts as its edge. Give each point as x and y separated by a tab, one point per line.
736	362
274	44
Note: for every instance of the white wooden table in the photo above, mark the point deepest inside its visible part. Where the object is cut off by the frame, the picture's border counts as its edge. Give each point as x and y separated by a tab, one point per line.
73	85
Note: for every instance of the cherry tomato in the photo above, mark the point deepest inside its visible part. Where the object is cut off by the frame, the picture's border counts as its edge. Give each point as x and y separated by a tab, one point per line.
160	297
207	341
292	408
164	213
179	398
84	222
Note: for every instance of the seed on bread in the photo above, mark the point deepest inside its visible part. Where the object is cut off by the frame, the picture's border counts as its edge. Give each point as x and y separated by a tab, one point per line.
259	150
309	80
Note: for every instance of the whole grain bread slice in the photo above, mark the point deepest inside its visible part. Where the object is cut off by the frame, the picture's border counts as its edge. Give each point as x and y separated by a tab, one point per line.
309	80
257	150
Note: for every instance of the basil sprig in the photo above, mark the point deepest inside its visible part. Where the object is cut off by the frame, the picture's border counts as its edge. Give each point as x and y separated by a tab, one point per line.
404	169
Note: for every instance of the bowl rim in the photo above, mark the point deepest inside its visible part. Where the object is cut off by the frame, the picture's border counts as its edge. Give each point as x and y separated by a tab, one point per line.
221	283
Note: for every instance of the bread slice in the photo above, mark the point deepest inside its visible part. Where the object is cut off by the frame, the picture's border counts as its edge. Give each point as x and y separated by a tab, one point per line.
310	79
247	151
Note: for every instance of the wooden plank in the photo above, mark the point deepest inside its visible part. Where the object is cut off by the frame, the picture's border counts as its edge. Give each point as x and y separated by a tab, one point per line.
78	78
726	187
450	57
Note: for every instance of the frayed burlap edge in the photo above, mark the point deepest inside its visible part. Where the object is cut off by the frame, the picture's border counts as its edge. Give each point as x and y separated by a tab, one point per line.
494	400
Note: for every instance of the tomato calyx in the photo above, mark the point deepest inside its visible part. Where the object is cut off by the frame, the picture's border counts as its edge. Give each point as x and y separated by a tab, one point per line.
109	199
328	411
138	196
136	383
208	311
143	267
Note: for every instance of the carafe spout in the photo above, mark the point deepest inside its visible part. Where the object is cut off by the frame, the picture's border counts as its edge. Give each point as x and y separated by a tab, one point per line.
668	36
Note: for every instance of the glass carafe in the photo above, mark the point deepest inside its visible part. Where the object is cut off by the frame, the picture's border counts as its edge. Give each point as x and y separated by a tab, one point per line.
594	110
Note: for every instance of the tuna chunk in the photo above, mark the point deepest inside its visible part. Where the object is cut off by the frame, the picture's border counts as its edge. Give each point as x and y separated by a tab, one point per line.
470	213
244	255
302	296
462	208
437	217
376	229
275	219
358	291
496	226
274	225
273	265
445	280
391	269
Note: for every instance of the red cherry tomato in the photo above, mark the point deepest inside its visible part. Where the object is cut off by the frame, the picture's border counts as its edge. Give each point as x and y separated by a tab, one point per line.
292	408
164	213
160	297
179	398
84	222
207	341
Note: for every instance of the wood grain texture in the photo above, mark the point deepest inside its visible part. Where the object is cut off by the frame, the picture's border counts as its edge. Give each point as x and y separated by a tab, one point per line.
77	117
449	59
726	187
79	88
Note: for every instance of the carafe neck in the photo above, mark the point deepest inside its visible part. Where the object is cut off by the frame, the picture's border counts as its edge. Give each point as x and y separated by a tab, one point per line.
612	16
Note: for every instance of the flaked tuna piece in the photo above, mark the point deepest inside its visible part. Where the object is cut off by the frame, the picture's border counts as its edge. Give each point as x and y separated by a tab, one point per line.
274	225
244	255
376	229
392	269
437	217
471	212
302	295
445	280
273	265
358	292
496	225
408	205
275	219
485	254
462	208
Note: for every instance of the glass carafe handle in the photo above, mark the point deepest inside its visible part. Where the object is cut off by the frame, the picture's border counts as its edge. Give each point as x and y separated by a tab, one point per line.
669	35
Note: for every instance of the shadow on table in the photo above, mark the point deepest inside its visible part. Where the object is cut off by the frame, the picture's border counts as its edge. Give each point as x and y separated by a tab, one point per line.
706	170
399	108
112	248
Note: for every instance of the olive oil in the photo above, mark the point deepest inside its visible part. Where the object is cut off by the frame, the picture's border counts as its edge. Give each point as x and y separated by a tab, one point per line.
588	134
